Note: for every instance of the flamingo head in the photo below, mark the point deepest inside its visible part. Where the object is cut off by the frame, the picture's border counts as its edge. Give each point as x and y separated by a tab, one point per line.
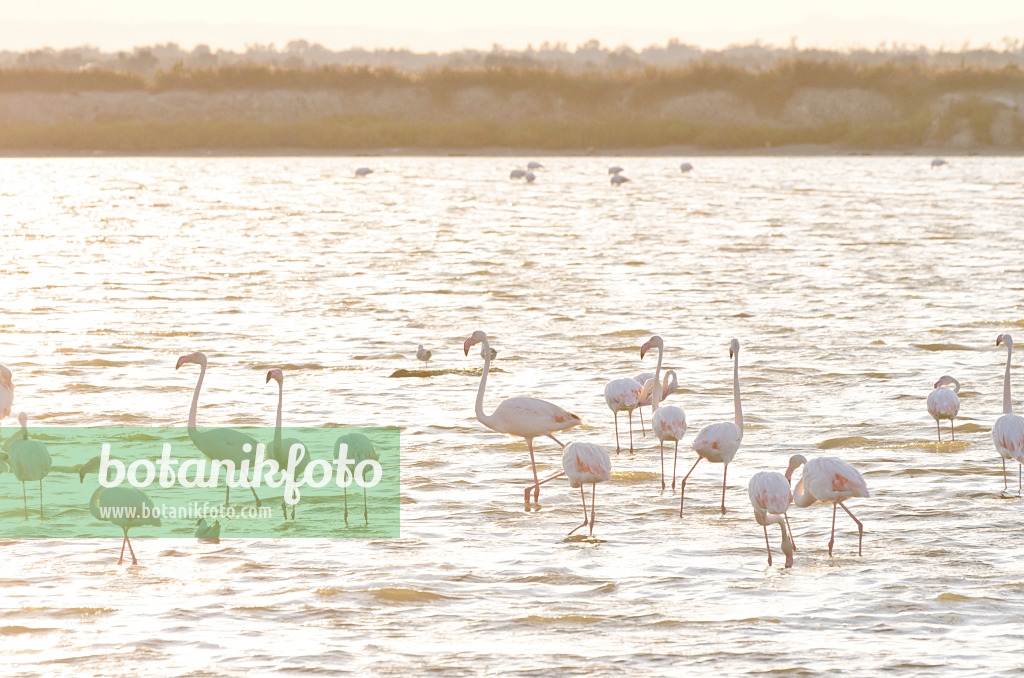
277	375
795	462
787	546
23	420
91	466
653	342
475	338
1006	340
734	347
946	380
198	358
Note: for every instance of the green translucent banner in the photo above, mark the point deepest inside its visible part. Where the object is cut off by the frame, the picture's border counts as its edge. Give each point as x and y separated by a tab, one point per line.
200	483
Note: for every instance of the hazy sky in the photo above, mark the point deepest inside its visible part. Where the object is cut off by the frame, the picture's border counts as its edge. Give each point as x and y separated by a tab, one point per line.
453	24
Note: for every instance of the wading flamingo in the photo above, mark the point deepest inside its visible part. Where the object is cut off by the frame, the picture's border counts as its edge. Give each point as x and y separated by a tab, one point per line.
944	404
830	480
423	355
718	442
29	461
359	449
586	463
123	506
526	418
533	164
363	171
280	450
938	162
530	177
614	169
619	179
1008	431
622	395
668	422
770	496
684	168
669	385
517	174
218	444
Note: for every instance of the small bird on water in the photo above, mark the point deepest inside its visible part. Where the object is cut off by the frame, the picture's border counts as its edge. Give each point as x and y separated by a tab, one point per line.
423	354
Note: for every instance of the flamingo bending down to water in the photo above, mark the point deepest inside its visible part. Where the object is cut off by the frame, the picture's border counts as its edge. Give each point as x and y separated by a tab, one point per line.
363	171
29	461
668	422
718	442
280	450
359	449
1008	431
125	507
526	418
218	444
938	162
619	179
684	168
586	463
943	403
830	480
530	177
622	395
669	385
770	496
423	354
517	174
533	164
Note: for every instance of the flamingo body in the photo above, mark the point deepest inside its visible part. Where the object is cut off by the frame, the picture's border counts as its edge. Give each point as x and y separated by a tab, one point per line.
363	171
359	449
123	506
586	463
770	498
685	167
1008	431
614	169
944	403
533	164
6	392
517	174
530	177
829	480
29	460
619	179
623	395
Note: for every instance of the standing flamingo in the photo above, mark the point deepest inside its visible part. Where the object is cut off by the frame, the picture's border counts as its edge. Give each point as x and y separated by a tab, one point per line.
586	463
280	450
622	395
526	418
359	449
944	404
669	385
830	480
667	422
125	507
718	442
29	461
1008	431
218	444
770	496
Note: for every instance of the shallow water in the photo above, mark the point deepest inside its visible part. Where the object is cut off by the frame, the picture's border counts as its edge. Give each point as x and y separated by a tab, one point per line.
851	283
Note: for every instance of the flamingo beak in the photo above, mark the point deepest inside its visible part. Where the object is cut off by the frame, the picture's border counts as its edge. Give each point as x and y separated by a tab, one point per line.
181	361
81	475
730	352
466	346
789	475
268	376
644	349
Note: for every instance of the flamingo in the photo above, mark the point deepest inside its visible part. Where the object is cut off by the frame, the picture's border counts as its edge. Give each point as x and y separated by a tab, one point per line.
718	442
423	354
669	385
614	169
619	179
218	444
586	463
517	174
29	460
770	496
530	177
667	422
684	168
938	162
623	395
280	450
526	418
6	392
363	171
1008	431
123	506
360	448
828	479
533	164
943	403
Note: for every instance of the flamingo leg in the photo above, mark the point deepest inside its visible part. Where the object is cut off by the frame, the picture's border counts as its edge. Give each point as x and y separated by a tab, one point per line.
767	544
258	502
583	496
661	447
345	491
24	497
790	530
643	429
675	458
284	509
593	506
227	495
1019	471
135	560
939	429
832	539
40	499
536	482
366	512
952	431
120	559
631	431
559	442
682	486
860	527
616	413
1005	487
724	471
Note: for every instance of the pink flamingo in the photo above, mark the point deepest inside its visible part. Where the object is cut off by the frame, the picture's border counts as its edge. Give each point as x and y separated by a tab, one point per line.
622	394
830	480
1008	431
669	385
943	403
668	421
6	392
526	418
770	496
586	463
718	442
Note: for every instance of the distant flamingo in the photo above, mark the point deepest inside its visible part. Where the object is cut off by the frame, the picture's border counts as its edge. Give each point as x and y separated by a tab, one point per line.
533	164
614	169
619	179
526	418
718	442
1008	431
770	496
359	449
943	403
363	171
669	421
586	463
423	354
517	174
938	162
280	450
622	395
123	506
530	177
684	168
218	444
830	480
29	461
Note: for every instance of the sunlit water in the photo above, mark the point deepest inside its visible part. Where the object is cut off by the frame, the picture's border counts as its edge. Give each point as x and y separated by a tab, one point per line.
852	284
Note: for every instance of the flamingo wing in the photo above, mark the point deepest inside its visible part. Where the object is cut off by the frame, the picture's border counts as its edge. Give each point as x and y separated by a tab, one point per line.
1008	436
669	423
718	441
943	404
769	493
586	463
832	479
532	417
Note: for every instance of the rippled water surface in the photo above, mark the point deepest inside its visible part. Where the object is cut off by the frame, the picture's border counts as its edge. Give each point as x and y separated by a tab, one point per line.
851	283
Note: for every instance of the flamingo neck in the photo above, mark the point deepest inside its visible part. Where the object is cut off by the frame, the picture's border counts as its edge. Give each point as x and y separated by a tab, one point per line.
192	430
736	391
484	419
656	396
277	425
1007	404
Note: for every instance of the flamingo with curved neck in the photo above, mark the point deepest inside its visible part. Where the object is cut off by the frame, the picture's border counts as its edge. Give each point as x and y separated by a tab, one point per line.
943	403
770	497
520	417
668	421
829	480
1008	431
279	450
718	442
